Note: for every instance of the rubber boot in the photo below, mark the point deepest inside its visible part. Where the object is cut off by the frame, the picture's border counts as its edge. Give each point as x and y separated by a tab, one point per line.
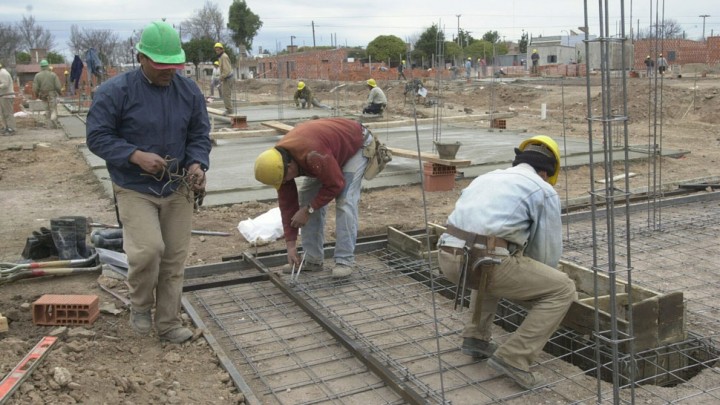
110	239
64	236
80	235
40	245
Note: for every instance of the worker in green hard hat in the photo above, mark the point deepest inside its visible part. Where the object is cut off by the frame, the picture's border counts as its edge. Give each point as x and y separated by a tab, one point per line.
46	87
151	127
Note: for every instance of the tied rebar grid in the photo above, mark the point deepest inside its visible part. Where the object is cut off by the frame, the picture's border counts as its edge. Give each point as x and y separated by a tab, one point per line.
386	309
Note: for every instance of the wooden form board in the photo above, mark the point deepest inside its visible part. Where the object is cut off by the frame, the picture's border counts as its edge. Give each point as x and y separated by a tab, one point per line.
425	157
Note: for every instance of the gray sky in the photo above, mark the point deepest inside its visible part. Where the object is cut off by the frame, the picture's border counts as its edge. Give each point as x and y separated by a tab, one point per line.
355	23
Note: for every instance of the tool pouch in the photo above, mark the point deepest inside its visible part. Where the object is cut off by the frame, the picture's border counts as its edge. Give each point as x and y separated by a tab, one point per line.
378	157
453	267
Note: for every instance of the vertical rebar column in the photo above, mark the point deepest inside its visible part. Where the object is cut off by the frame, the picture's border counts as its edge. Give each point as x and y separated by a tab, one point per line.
655	121
439	102
613	117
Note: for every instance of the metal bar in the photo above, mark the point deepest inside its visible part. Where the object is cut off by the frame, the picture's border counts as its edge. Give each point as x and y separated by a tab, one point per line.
225	361
225	283
376	366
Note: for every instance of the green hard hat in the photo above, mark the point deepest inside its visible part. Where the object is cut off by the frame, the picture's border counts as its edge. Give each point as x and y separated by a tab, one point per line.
161	43
44	63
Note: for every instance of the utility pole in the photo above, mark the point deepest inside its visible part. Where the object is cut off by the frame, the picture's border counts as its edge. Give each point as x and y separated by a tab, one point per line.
704	16
458	41
313	30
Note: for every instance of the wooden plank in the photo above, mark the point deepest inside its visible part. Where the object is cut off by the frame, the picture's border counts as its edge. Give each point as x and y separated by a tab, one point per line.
279	126
429	157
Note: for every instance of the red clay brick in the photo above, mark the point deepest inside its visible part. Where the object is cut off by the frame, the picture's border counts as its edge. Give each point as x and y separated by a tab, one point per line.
66	309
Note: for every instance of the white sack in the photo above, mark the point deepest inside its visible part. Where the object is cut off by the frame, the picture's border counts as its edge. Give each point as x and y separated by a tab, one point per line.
264	229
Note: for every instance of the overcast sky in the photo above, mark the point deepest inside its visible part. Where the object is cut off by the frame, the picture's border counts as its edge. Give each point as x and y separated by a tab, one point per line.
355	23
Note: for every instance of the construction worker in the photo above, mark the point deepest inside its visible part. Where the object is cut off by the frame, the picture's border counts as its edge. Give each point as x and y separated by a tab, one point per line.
512	217
151	127
329	154
649	66
46	87
376	101
226	78
401	70
662	65
468	68
215	80
304	98
7	97
535	58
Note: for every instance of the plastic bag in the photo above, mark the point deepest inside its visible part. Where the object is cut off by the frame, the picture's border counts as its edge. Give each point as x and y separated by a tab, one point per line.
264	229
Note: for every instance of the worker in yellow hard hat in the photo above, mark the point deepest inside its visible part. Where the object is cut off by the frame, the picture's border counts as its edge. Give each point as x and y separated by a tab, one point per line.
226	78
215	80
328	153
401	70
535	58
649	66
468	68
376	101
504	240
662	64
304	98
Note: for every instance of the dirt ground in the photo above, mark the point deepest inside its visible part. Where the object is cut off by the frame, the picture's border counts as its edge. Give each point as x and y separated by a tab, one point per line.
43	176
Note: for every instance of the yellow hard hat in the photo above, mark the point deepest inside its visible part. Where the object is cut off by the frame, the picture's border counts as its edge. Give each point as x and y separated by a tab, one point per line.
469	58
67	73
270	168
301	85
534	50
216	63
549	143
218	45
403	61
371	82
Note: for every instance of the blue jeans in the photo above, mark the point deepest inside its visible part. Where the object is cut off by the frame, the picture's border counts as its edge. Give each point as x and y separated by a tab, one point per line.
346	213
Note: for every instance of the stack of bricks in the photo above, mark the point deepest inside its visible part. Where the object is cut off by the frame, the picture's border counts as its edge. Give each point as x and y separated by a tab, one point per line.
438	177
66	310
498	123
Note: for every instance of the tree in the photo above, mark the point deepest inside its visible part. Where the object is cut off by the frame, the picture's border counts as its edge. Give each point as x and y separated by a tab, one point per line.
523	43
206	23
243	23
386	48
22	58
452	50
33	36
199	50
106	43
491	36
55	58
427	44
667	29
465	38
9	43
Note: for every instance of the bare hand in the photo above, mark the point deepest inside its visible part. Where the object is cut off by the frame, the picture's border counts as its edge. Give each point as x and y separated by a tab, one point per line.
148	161
196	177
292	254
300	218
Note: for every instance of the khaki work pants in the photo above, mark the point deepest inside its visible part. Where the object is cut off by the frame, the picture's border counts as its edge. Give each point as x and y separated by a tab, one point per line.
50	111
549	292
226	92
156	238
6	106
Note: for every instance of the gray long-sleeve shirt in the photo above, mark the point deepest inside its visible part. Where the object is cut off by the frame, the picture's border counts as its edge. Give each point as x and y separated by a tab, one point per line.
515	204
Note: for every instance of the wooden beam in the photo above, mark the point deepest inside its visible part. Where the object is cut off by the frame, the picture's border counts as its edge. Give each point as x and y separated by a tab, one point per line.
429	157
278	126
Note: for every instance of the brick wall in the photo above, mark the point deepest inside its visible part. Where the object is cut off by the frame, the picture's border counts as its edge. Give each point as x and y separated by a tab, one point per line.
684	51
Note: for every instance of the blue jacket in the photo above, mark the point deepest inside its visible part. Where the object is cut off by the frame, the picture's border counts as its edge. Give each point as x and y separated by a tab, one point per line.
129	113
515	204
76	70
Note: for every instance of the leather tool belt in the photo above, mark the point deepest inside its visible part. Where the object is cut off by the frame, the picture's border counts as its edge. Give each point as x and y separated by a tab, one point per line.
481	250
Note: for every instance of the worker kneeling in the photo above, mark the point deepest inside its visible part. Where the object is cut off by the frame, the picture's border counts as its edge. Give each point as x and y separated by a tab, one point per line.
329	153
504	240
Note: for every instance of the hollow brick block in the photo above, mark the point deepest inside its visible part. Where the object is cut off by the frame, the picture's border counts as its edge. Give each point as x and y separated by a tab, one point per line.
66	309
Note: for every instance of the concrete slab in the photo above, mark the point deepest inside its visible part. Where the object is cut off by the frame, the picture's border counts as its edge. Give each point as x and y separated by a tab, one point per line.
231	179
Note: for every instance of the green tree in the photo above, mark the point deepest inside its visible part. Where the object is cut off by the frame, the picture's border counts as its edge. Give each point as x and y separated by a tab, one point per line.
523	43
385	48
465	38
22	58
199	50
427	44
55	58
452	50
243	23
491	36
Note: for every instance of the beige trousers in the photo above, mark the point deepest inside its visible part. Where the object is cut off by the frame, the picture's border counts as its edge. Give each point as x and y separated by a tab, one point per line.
549	292
51	111
156	238
6	106
226	90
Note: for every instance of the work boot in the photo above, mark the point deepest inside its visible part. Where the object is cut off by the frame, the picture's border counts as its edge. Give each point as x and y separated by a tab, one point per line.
177	335
307	266
141	322
80	235
478	349
342	270
40	245
64	237
111	239
525	379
